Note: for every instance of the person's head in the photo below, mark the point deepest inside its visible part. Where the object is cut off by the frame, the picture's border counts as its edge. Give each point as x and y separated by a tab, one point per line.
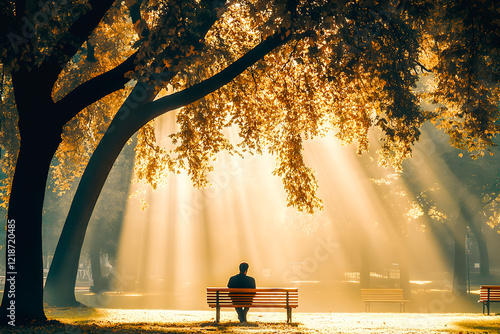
243	267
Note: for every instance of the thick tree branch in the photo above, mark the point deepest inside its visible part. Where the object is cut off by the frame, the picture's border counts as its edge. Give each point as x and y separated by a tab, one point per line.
95	89
79	32
202	89
81	29
104	84
141	28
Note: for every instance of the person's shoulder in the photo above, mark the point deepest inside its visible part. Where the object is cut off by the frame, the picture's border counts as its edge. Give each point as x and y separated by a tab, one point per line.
234	280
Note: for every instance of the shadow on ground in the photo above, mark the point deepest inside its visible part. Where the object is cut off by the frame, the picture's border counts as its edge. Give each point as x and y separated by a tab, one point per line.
141	328
483	325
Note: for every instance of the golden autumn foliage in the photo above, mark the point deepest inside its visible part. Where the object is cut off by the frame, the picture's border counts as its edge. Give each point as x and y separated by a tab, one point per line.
346	67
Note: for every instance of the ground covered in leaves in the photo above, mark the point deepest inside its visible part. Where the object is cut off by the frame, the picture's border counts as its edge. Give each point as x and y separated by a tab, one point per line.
100	321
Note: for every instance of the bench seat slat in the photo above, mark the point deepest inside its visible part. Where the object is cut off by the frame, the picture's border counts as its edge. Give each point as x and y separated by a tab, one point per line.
236	300
214	301
256	305
386	301
255	300
283	290
256	297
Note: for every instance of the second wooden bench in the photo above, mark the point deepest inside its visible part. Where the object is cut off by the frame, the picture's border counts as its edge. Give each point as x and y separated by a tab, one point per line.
489	294
383	296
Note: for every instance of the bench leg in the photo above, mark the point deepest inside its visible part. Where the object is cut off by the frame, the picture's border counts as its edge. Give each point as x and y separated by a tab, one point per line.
367	307
217	314
288	315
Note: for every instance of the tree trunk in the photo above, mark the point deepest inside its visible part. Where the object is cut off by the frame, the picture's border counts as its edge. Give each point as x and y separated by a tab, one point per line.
460	270
23	292
40	134
60	285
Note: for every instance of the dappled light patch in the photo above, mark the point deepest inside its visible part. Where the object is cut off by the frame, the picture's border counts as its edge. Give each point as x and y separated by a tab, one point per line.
73	313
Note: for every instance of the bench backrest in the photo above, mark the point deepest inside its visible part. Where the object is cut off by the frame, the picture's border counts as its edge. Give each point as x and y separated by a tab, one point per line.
260	297
381	294
494	293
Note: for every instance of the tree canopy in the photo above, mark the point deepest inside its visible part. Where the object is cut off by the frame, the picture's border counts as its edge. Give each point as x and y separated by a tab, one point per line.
348	66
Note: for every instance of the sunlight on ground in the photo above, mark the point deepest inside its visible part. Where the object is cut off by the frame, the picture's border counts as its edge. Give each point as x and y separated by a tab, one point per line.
188	239
75	321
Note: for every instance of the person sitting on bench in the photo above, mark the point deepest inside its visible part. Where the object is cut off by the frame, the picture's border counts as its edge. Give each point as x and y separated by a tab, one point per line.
242	281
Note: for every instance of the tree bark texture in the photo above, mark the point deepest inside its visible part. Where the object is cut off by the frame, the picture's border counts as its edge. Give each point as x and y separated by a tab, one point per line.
40	128
60	285
40	136
61	280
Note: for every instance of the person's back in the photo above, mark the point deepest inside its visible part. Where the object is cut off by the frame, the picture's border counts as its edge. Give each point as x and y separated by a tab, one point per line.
242	281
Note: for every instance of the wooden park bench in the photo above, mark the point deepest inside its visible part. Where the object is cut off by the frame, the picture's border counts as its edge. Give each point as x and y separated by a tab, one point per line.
489	294
287	298
383	296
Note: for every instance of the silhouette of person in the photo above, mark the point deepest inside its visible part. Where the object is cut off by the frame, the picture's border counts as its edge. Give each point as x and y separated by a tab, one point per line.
246	282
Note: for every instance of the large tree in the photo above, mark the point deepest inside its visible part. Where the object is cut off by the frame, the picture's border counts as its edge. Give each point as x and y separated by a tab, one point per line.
280	71
34	56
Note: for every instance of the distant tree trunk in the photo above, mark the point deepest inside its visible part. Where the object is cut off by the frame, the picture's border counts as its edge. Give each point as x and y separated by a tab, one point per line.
404	279
482	248
364	273
484	260
470	219
460	270
440	231
40	137
95	266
